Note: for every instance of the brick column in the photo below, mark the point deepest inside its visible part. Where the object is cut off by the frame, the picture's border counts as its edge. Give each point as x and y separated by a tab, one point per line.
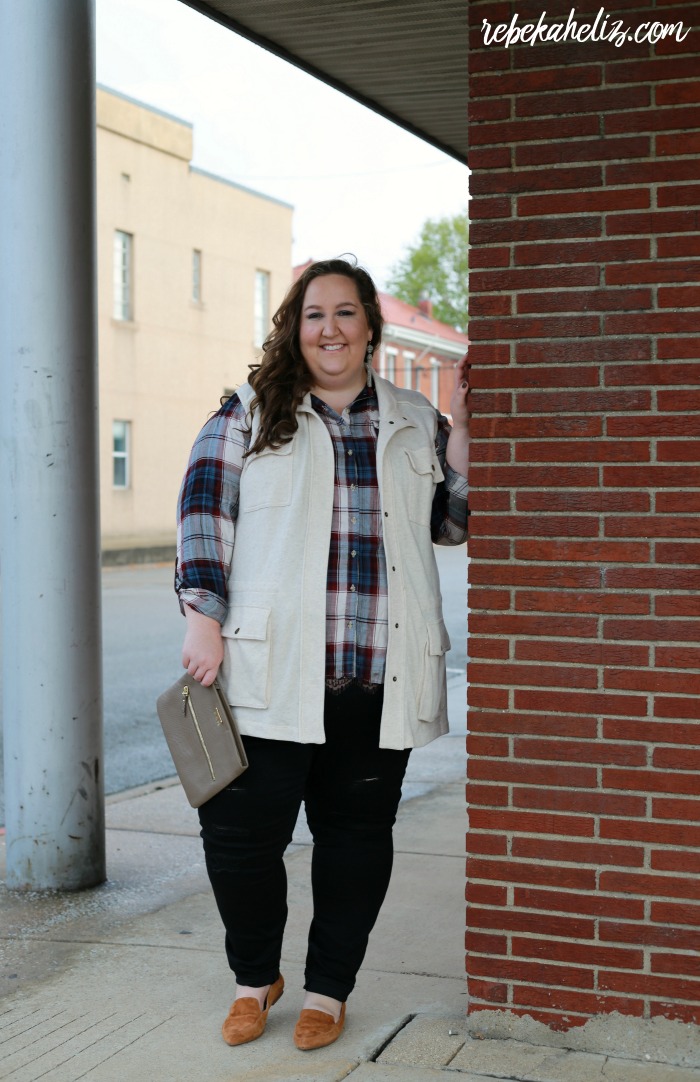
584	700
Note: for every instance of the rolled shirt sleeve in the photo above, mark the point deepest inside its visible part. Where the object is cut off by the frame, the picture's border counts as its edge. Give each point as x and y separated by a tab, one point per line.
448	523
207	511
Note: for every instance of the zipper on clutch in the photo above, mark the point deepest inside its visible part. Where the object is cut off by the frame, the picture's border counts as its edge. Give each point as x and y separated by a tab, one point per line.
187	701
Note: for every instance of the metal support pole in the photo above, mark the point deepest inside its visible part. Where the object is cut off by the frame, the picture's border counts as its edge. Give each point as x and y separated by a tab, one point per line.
49	527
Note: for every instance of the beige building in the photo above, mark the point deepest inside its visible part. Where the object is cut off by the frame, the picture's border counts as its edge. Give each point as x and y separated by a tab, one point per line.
190	268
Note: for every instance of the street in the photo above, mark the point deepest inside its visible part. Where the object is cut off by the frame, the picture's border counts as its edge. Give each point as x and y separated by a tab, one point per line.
142	636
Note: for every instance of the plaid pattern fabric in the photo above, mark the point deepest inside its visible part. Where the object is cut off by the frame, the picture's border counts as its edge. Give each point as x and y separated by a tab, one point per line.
356	605
356	592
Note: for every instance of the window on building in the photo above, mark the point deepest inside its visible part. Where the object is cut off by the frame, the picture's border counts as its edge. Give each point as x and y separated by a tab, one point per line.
121	441
196	275
434	381
390	365
408	359
262	306
123	285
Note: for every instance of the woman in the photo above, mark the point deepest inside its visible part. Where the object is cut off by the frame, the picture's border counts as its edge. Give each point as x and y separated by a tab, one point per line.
306	572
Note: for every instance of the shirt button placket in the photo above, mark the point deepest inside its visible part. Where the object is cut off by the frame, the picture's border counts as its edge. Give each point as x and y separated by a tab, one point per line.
353	511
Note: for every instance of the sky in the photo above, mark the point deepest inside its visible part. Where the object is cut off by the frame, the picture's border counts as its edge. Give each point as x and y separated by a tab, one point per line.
357	182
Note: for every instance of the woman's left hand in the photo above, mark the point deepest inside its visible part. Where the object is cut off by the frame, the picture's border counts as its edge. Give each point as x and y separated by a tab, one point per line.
459	401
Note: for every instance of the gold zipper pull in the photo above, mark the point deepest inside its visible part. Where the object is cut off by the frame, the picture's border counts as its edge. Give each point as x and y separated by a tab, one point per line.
188	702
185	697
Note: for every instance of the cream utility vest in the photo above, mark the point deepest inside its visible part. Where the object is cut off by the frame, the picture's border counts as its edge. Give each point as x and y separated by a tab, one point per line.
275	630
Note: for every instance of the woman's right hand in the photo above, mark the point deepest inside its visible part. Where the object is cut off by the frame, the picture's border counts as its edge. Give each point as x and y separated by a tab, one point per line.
203	648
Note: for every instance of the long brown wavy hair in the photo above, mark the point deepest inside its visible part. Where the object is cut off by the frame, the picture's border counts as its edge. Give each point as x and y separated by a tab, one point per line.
282	378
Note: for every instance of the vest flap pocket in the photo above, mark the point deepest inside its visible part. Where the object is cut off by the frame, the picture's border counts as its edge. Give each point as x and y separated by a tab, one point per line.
423	474
246	665
266	480
438	639
425	461
246	622
432	691
422	459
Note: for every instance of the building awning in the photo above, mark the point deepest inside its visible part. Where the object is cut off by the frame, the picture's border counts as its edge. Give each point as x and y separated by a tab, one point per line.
405	59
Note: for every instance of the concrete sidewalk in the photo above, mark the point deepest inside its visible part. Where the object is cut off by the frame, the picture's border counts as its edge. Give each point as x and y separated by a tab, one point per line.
129	980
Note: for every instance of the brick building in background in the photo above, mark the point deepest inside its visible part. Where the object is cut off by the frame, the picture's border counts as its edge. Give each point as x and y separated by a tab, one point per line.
584	698
419	351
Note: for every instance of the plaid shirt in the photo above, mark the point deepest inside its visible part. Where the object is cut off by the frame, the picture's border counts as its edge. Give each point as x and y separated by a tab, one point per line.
357	593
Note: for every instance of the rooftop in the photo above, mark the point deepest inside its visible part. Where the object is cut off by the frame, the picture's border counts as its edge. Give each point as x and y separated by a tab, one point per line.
401	314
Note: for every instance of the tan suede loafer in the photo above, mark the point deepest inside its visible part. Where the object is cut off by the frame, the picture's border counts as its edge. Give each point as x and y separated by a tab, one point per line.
246	1019
316	1029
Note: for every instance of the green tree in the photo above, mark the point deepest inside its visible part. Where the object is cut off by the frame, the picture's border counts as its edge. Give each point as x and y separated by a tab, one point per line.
435	266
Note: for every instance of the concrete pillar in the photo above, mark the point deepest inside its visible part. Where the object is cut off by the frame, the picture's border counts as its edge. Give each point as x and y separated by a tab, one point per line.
49	528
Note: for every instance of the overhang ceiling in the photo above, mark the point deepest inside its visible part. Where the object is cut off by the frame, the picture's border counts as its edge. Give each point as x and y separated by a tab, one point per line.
405	59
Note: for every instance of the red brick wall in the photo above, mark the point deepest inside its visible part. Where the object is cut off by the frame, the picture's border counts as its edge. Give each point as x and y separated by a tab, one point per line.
584	700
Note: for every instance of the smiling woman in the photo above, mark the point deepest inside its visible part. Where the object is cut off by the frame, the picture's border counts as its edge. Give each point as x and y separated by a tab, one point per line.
307	574
334	336
333	304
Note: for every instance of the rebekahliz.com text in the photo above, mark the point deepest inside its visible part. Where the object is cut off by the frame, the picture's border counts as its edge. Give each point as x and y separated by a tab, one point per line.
601	29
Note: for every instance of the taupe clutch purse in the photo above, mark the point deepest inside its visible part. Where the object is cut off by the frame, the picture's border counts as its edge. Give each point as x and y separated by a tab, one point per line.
202	736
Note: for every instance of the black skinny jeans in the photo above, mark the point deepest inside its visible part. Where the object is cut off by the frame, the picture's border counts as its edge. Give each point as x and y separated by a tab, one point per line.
351	789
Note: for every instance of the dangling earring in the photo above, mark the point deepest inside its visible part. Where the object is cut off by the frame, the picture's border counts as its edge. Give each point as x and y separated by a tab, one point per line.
368	363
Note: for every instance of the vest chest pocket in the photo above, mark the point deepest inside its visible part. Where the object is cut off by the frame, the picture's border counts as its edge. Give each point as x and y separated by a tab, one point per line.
423	474
432	694
246	635
266	480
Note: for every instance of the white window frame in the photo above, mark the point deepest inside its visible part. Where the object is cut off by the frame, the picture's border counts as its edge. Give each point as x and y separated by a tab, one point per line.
390	358
122	266
408	359
435	367
197	275
261	308
121	455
